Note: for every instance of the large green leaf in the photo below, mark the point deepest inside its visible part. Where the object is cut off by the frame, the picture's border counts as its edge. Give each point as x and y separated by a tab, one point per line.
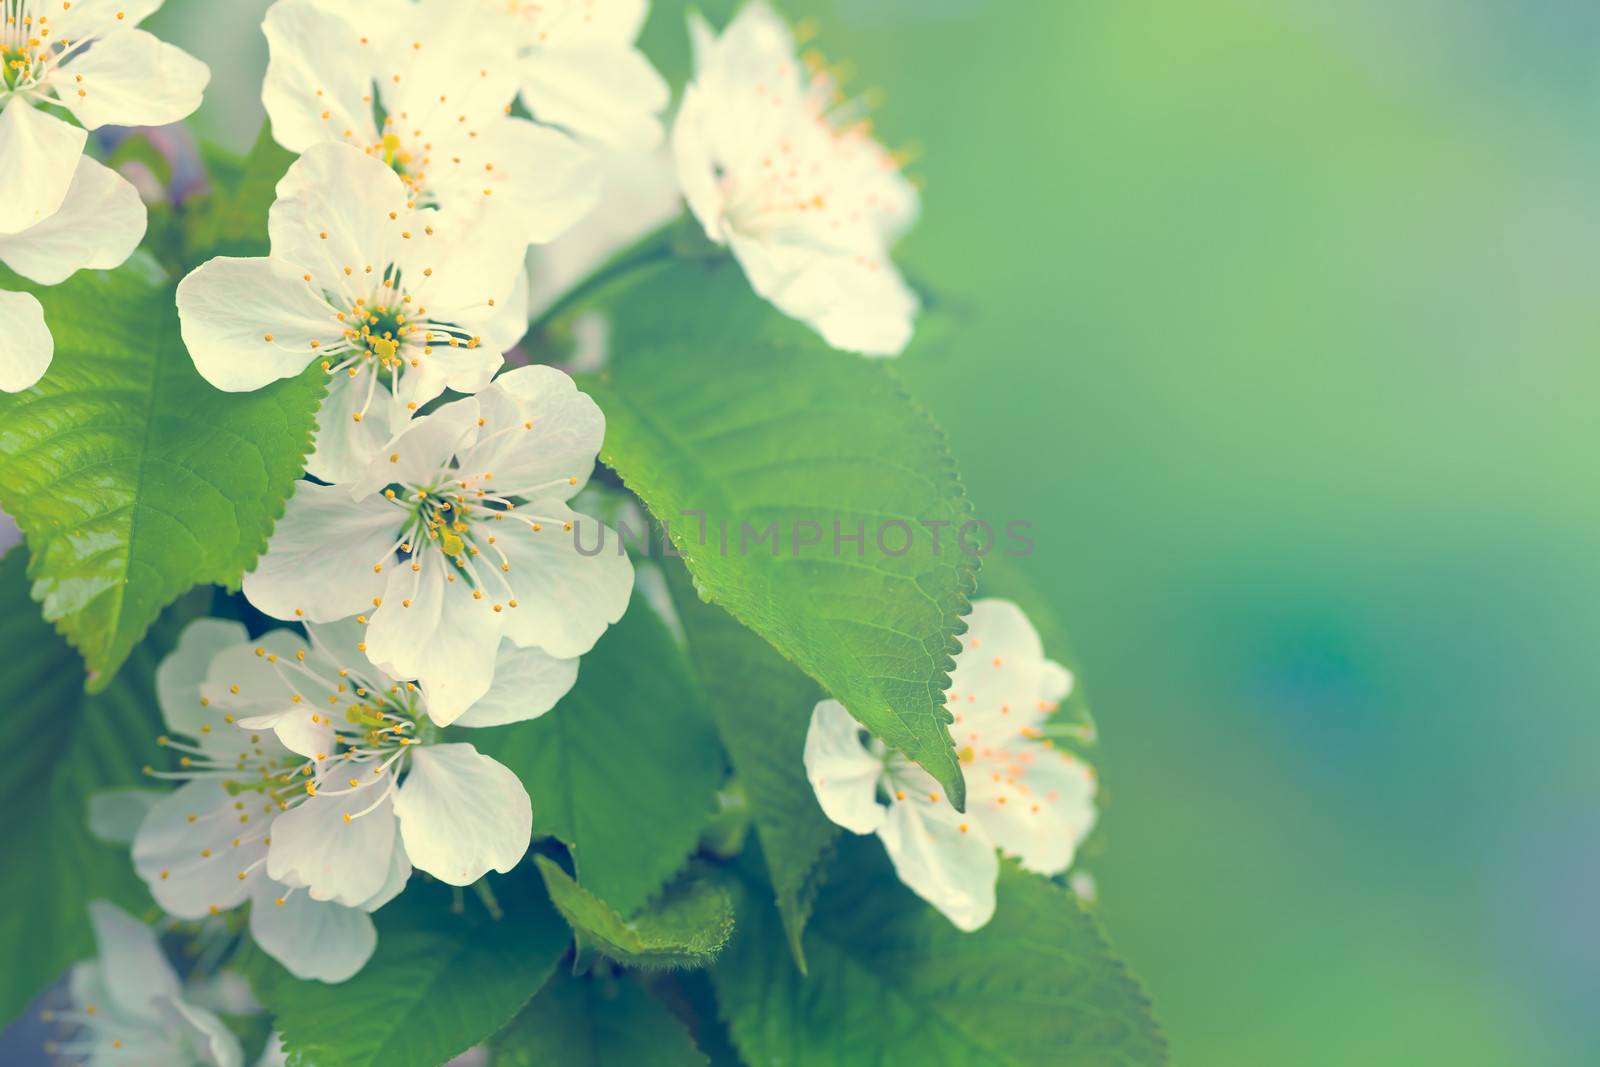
132	478
60	747
716	405
595	1022
893	982
440	981
686	926
762	706
625	770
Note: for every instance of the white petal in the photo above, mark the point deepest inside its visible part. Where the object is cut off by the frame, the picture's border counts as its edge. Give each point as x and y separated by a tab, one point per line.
346	446
314	72
98	226
133	968
182	672
319	563
301	728
527	683
131	78
315	940
842	772
697	172
200	1033
343	860
640	194
476	260
462	814
434	90
42	154
114	817
952	868
26	347
540	175
229	308
565	599
87	18
1002	685
191	864
433	629
399	875
421	449
554	457
1040	809
338	190
607	94
856	300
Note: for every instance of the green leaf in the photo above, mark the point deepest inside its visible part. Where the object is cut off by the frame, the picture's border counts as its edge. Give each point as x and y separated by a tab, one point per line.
439	982
685	927
625	770
132	478
60	747
717	404
595	1022
762	706
893	982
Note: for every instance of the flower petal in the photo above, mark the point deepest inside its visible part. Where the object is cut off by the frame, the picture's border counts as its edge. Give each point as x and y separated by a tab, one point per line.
345	860
421	449
432	629
134	970
1040	808
115	816
314	89
944	857
42	154
354	199
855	299
527	683
131	78
100	223
843	773
540	175
315	940
300	728
399	875
609	94
462	814
26	347
89	18
199	1033
552	458
180	675
184	850
319	562
565	599
345	446
249	322
1001	685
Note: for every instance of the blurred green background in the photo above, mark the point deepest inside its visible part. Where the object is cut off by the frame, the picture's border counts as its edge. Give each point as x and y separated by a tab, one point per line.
1281	328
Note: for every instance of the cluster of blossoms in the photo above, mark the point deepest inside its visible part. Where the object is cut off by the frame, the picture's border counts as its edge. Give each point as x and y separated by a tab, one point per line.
1024	795
429	576
61	211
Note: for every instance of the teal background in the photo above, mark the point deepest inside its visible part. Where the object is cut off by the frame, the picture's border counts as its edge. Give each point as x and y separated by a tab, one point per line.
1278	321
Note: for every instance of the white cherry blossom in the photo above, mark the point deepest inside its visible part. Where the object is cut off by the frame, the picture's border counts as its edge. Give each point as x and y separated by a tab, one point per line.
458	536
790	179
443	78
86	58
97	226
202	849
581	71
1024	796
129	1007
397	303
